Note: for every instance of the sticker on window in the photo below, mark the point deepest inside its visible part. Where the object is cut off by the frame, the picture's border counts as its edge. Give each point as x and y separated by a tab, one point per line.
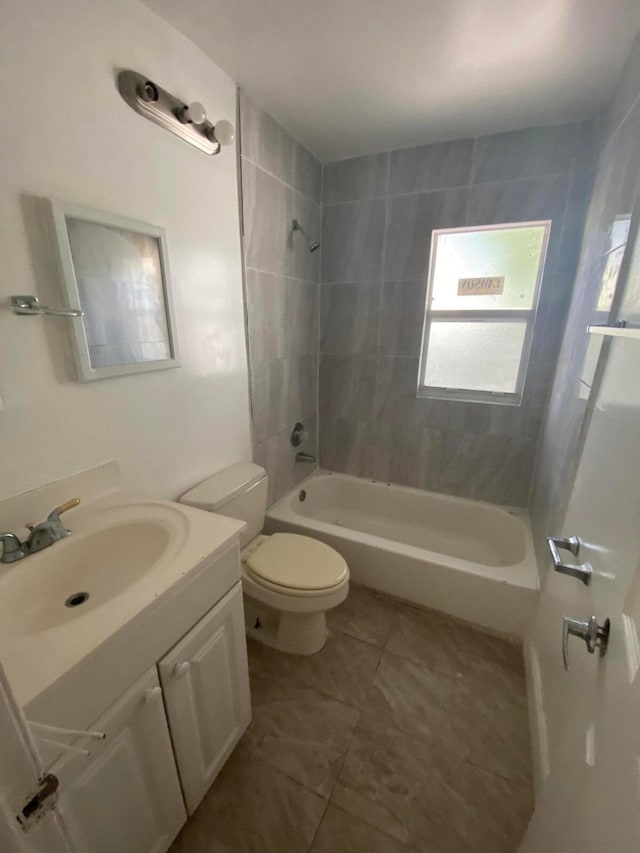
491	285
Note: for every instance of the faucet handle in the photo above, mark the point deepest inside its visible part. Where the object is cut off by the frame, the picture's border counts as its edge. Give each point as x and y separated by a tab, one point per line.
55	514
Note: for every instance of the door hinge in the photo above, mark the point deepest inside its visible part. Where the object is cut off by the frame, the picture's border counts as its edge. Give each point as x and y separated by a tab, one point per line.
40	802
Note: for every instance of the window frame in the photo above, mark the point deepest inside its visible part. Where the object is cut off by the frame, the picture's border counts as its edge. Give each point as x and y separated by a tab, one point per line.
505	398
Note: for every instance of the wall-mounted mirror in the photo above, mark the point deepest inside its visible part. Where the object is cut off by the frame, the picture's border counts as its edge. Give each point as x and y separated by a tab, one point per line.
116	270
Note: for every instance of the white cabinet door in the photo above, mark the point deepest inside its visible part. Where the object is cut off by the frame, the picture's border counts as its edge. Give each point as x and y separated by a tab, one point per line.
205	681
125	796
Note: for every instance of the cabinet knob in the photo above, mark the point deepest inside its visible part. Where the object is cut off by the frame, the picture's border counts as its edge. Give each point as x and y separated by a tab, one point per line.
152	694
181	669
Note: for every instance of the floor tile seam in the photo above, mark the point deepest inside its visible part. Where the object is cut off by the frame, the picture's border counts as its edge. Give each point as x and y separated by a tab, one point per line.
331	696
437	746
439	672
485	658
292	681
354	637
291	778
519	783
315	834
414	607
344	758
375	828
443	705
282	772
457	680
410	848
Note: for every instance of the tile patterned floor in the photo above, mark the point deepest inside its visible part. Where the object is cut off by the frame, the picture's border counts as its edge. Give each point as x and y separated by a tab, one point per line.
408	732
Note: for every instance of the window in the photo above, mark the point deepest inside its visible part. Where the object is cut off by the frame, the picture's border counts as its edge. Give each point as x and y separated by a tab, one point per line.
481	303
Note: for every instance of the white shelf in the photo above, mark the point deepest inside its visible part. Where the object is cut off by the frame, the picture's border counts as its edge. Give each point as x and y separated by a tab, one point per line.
614	332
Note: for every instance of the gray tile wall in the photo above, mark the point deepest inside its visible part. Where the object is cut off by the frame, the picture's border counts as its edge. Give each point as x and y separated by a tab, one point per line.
378	214
616	191
281	181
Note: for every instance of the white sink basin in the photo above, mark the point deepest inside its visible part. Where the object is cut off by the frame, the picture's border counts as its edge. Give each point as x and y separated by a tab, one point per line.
85	571
138	559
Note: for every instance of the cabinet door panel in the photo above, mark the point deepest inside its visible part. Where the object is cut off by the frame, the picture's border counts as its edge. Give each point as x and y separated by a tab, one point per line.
126	795
206	688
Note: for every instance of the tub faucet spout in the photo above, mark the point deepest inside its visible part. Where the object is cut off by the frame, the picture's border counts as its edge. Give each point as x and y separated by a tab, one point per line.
301	456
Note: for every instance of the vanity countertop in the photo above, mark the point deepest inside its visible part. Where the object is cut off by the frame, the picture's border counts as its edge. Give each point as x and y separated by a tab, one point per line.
41	641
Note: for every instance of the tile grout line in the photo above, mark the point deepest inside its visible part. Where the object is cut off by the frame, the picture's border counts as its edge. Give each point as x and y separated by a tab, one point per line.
383	262
315	834
396	615
282	275
428	191
384	649
280	180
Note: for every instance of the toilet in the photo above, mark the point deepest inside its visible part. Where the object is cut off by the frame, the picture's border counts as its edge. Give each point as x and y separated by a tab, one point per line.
288	581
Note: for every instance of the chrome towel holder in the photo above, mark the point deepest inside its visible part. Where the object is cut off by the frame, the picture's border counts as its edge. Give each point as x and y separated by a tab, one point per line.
30	305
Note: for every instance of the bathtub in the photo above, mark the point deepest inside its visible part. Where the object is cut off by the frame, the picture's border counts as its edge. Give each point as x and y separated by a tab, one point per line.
467	558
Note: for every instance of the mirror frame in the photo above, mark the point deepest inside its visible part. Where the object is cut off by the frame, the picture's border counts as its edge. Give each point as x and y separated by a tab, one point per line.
86	372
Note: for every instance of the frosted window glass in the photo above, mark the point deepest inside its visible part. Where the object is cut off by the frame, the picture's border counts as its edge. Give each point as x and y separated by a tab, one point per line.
513	253
475	356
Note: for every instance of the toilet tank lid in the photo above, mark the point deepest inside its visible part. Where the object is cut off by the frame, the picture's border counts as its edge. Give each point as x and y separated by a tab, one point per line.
223	486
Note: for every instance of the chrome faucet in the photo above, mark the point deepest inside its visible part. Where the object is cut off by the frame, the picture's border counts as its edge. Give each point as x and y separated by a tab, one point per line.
40	535
301	456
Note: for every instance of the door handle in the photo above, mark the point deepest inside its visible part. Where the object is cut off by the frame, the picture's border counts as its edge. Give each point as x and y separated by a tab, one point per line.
582	572
594	635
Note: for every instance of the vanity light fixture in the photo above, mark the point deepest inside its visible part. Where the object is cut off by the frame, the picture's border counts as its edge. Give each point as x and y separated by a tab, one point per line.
188	121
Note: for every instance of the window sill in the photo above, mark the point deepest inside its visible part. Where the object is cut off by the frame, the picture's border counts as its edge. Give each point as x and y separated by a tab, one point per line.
513	400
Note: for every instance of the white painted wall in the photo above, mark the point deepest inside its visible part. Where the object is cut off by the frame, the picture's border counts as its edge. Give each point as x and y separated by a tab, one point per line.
72	136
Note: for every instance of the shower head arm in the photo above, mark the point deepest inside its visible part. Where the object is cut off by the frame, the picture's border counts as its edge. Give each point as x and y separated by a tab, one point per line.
313	245
295	226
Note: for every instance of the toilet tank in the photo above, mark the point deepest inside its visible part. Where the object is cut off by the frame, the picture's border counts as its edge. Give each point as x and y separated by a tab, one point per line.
239	491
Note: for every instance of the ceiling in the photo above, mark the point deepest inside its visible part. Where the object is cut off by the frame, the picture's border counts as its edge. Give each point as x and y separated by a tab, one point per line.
349	77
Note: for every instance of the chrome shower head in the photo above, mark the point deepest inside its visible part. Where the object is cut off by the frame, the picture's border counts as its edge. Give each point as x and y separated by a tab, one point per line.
313	244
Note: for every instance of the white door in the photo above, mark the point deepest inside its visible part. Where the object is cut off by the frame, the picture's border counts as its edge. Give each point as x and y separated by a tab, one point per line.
590	715
21	771
205	681
125	796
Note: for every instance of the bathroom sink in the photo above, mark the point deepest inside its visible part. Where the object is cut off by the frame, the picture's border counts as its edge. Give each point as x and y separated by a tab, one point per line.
88	569
134	570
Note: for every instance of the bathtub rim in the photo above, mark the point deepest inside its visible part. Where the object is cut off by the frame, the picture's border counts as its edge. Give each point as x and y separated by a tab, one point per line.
523	574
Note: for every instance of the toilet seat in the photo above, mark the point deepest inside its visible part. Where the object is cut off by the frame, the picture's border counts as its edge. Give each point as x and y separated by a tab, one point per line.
291	562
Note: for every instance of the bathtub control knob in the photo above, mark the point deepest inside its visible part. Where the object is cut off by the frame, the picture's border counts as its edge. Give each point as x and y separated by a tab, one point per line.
298	434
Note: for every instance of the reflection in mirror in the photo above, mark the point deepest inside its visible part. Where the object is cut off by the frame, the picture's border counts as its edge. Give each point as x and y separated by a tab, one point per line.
116	270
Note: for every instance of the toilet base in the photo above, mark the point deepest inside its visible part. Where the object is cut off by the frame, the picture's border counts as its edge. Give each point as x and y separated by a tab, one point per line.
294	633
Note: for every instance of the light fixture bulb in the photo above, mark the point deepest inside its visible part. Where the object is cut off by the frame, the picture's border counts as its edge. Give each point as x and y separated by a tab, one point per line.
224	132
194	113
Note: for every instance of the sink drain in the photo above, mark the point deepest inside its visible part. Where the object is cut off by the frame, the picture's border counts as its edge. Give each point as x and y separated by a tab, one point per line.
76	599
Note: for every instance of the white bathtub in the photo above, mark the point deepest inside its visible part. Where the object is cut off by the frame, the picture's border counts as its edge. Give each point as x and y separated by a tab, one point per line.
471	559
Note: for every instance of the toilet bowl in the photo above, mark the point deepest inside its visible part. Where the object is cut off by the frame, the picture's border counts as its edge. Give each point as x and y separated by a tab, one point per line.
288	581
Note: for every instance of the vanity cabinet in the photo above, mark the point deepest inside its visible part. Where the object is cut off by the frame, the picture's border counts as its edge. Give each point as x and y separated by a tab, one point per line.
205	683
124	796
167	736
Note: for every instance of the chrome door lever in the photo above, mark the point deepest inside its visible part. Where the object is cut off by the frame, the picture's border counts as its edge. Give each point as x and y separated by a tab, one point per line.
594	635
582	572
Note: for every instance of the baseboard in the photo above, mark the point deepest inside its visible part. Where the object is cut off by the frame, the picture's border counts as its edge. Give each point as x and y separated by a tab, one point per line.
537	718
